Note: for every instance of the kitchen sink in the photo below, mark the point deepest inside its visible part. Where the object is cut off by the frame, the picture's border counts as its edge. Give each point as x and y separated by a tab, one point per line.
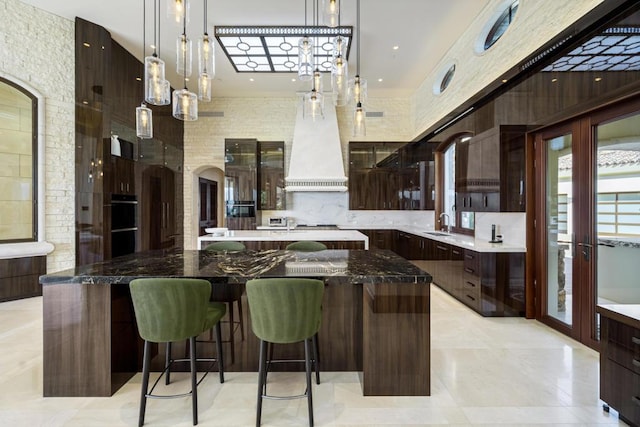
436	233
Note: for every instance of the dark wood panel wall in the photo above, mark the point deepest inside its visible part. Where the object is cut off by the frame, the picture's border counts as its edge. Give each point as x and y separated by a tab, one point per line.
109	87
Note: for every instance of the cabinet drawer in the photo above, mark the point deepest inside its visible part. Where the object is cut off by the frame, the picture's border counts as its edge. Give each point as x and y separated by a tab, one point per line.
621	391
624	345
471	262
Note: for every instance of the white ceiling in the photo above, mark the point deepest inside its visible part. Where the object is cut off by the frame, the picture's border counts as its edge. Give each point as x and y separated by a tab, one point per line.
423	29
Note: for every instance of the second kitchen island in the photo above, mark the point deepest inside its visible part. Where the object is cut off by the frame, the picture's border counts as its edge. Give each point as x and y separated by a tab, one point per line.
279	239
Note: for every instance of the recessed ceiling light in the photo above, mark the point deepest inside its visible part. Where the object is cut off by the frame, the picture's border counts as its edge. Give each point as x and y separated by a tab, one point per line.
379	80
553	80
152	46
251	79
396	47
293	80
598	79
504	80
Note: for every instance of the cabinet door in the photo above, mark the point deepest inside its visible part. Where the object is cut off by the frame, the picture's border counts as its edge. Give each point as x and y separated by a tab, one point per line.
241	169
122	176
271	175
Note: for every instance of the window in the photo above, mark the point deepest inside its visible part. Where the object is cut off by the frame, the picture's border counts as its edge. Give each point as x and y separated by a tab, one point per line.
495	29
18	160
618	214
443	78
450	183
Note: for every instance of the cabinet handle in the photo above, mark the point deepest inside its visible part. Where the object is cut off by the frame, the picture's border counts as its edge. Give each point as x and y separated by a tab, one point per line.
635	340
470	297
464	202
467	256
636	363
456	252
470	201
471	284
442	248
485	201
636	400
469	270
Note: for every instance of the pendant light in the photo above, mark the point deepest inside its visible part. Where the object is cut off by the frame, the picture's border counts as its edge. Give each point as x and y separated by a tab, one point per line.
339	70
359	125
331	13
144	115
206	62
183	53
178	10
156	87
314	100
306	59
185	103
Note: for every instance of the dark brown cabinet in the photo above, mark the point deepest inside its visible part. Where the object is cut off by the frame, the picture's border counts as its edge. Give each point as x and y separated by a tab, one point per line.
271	175
391	176
374	176
241	162
149	171
382	239
490	171
620	361
123	177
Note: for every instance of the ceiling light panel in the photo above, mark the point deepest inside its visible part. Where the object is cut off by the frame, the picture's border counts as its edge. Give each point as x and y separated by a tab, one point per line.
275	49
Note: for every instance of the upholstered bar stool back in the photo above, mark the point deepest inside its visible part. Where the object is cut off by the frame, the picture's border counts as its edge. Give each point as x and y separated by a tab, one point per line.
169	310
227	246
229	293
306	246
284	311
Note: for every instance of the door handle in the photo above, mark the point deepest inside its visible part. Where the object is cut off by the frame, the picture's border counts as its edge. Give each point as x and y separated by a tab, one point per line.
586	248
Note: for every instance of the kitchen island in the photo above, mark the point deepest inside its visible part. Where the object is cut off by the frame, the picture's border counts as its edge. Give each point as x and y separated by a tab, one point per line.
375	316
278	239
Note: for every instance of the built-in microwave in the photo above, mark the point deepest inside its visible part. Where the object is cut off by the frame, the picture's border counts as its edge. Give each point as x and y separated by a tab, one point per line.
241	209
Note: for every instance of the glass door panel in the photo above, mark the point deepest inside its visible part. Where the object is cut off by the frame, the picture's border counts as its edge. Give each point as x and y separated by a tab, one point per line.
559	228
617	209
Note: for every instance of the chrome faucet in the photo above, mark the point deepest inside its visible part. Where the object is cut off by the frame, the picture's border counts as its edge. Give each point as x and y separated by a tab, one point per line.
445	227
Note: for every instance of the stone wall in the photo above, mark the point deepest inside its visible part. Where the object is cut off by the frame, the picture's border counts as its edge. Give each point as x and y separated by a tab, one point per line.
38	48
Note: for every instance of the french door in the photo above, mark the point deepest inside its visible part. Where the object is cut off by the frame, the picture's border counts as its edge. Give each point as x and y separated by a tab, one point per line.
587	218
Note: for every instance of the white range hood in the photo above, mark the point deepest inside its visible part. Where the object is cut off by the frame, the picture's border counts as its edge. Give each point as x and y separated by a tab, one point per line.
316	154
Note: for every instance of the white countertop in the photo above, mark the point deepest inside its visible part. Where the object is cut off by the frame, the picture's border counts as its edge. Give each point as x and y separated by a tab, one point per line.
459	240
284	235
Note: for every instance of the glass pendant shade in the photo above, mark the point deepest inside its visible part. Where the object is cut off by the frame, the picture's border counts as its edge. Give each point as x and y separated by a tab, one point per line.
339	81
317	81
359	128
177	10
339	47
183	55
158	92
206	58
204	87
185	105
144	122
330	12
305	59
358	90
314	104
153	76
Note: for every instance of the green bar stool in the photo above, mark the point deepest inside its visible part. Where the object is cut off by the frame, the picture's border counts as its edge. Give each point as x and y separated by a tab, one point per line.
306	246
284	311
226	246
229	293
169	310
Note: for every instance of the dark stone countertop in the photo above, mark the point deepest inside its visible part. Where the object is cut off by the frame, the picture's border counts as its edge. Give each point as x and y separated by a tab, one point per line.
349	266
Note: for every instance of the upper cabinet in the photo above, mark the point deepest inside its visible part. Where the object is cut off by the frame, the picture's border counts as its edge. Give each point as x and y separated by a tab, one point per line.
240	166
271	175
391	176
490	171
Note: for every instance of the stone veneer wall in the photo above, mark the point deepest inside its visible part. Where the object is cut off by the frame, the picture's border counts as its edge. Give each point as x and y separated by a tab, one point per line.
37	47
535	22
271	119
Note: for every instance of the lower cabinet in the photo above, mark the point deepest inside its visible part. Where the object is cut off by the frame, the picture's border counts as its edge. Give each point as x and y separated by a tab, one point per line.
19	277
491	283
620	364
241	223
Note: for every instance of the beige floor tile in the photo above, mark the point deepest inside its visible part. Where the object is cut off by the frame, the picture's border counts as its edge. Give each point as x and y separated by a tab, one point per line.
485	371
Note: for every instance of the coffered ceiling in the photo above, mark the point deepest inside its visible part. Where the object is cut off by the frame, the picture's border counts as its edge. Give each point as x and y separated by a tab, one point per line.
421	31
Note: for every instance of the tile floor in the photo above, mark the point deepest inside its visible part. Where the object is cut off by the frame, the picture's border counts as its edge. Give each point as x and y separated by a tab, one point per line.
485	371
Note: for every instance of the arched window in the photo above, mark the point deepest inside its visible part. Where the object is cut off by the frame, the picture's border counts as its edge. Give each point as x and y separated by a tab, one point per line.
18	163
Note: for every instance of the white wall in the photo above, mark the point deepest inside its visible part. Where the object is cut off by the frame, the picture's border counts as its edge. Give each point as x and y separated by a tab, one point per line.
38	48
